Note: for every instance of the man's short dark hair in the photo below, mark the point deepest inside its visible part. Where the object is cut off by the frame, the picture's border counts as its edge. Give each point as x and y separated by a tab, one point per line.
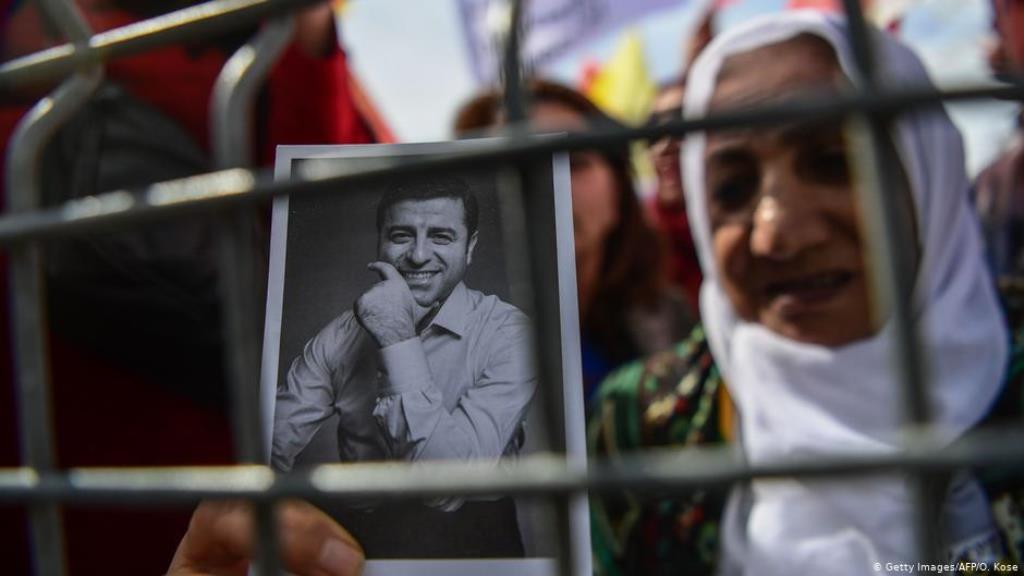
429	188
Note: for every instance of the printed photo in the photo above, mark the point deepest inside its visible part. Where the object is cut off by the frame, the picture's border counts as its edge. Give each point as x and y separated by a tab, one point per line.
398	330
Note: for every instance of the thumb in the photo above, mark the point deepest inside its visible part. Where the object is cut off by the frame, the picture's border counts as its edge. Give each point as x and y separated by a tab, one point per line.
220	540
386	271
314	544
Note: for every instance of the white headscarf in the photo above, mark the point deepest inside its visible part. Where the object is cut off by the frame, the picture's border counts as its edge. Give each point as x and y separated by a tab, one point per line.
802	400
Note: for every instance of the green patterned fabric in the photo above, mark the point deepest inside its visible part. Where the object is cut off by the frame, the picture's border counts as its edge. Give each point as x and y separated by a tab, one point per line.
671	399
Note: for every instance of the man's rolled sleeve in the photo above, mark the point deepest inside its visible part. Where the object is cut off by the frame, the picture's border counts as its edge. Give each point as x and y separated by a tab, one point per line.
487	415
406	366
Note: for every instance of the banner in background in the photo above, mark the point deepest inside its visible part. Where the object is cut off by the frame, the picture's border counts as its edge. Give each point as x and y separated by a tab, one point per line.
552	28
885	14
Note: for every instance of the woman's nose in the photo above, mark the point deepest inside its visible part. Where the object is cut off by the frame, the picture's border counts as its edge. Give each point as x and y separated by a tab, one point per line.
786	220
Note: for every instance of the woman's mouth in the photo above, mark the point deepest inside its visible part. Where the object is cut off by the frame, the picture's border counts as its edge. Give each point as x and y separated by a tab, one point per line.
804	293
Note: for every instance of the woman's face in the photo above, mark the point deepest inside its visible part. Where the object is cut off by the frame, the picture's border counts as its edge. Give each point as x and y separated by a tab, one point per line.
595	201
784	226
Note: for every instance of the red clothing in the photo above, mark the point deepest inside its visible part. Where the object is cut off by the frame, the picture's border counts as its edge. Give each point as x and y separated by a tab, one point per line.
683	265
308	100
108	416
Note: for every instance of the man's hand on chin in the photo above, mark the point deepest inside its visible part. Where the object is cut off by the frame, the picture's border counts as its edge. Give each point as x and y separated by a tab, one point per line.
387	310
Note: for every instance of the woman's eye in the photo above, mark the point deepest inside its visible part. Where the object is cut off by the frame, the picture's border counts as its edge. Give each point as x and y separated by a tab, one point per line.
734	192
828	167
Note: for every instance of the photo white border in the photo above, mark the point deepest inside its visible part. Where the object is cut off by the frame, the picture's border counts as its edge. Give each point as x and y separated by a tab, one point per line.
572	385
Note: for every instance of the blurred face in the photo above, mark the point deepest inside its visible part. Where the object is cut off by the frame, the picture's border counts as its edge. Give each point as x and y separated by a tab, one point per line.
595	197
665	151
784	225
1009	26
428	243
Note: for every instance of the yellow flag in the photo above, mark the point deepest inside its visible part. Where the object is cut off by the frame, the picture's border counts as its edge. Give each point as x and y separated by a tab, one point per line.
623	88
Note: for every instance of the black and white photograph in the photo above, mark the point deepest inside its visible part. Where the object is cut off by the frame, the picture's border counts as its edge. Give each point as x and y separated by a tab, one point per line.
398	330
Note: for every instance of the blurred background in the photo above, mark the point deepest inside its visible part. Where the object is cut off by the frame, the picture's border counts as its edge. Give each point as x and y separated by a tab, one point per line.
419	81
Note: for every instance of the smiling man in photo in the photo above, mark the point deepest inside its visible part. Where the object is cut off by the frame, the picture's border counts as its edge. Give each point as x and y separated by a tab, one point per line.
421	368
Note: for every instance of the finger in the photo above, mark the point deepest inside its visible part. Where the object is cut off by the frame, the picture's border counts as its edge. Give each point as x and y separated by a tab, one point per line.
220	540
386	271
314	544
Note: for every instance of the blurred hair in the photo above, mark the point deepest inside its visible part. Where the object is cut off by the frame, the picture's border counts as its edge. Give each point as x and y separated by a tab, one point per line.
478	115
429	188
633	271
677	81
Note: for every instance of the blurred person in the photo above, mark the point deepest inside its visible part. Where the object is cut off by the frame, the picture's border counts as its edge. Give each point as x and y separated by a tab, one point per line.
702	34
421	368
787	327
135	337
667	208
627	308
220	535
1000	187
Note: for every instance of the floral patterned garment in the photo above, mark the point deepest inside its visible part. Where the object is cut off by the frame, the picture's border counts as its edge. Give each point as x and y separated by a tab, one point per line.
677	398
672	399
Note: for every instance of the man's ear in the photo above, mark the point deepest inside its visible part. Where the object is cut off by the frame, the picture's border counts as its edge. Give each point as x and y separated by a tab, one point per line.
469	249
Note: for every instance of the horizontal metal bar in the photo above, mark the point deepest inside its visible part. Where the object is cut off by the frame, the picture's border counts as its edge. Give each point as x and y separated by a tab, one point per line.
663	471
188	24
231	188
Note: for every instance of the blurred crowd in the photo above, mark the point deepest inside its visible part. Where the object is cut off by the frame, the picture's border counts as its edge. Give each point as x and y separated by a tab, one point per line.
728	302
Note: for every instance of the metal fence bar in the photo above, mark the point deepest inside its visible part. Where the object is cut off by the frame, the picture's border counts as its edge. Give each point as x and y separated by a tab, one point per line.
235	92
241	187
653	473
894	277
27	283
188	24
66	20
520	201
232	110
892	267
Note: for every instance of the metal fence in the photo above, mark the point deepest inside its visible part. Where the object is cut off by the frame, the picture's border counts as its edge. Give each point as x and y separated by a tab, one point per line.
234	191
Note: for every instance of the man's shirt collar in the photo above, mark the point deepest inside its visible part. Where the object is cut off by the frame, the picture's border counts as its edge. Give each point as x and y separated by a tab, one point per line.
454	312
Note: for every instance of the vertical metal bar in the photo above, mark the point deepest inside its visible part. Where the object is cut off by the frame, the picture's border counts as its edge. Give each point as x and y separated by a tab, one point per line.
27	284
512	66
517	208
892	268
236	88
231	119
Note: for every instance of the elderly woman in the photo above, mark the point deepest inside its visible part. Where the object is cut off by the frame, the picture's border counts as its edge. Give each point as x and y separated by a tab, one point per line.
788	326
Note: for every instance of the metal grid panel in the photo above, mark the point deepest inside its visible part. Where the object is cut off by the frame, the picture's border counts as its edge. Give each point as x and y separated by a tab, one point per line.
236	188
